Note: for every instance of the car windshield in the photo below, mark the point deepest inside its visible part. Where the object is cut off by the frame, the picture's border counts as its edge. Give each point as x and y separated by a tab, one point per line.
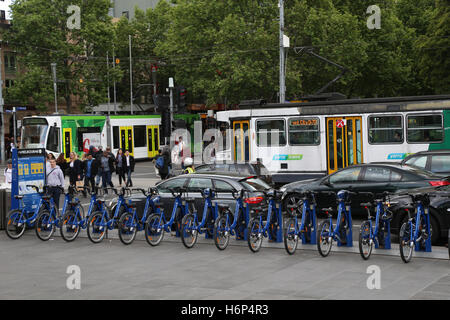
255	184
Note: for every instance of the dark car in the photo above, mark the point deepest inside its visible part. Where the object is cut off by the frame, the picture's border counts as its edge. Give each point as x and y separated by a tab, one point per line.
436	161
243	169
194	183
374	177
439	210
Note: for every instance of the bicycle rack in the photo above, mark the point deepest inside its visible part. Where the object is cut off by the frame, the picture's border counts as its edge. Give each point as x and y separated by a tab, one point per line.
387	236
279	224
348	217
428	241
311	233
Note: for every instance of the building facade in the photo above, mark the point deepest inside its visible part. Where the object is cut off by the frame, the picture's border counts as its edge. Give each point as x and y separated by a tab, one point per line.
126	7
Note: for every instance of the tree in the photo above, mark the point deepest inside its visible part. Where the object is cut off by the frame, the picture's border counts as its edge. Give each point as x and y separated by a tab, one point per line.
41	34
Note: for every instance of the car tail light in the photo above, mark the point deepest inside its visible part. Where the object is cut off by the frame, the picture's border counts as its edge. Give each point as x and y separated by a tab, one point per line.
439	183
254	200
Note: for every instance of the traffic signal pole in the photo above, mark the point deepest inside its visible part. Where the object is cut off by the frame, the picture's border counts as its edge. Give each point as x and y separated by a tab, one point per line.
2	115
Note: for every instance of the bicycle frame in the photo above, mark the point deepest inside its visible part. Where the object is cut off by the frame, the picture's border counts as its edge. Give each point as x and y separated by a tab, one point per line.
343	209
149	203
308	209
380	212
179	203
414	234
208	205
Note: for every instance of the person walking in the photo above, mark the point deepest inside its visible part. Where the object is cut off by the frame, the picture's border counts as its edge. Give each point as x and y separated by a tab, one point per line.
107	165
98	156
128	165
55	180
62	163
163	163
119	166
90	171
75	169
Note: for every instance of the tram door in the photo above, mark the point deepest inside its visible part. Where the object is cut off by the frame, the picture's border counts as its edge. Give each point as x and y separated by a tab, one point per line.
152	140
126	139
67	142
344	142
241	142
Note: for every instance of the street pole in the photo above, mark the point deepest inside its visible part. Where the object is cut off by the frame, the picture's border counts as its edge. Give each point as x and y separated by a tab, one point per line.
108	123
171	86
115	97
282	70
2	114
14	126
131	77
55	88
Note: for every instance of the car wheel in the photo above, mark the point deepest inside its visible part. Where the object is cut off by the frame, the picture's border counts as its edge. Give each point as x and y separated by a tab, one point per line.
292	200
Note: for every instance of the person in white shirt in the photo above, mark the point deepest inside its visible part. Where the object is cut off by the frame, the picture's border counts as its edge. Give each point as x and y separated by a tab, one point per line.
8	173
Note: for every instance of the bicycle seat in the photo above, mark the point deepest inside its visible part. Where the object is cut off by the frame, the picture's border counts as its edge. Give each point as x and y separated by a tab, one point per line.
366	204
18	197
46	197
328	210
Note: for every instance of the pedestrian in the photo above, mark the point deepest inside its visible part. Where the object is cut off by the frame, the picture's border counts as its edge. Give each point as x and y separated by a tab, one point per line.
8	173
90	167
98	156
55	180
62	163
128	165
75	170
107	165
119	166
48	157
163	163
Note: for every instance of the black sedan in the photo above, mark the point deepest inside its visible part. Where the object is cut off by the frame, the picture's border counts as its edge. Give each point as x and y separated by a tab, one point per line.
374	177
439	210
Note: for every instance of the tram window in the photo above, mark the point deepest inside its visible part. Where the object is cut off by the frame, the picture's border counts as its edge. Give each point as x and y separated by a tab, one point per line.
116	137
425	128
385	129
304	131
140	136
266	130
54	139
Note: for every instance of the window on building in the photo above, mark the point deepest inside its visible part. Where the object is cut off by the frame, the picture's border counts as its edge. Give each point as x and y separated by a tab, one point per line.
304	131
126	14
385	129
2	15
425	128
270	133
140	137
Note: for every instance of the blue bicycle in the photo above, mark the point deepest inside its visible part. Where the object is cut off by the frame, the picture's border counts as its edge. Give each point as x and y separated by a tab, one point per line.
130	224
342	233
416	232
48	218
72	217
257	230
156	223
380	236
307	227
100	222
191	228
17	220
227	224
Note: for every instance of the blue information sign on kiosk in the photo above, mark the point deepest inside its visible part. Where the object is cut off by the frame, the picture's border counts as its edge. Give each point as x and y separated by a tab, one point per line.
28	169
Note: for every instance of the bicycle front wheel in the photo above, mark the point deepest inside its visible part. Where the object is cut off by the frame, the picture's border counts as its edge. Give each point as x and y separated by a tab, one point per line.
154	233
189	231
254	238
221	232
365	243
406	248
70	226
96	228
14	227
127	228
44	225
290	236
324	240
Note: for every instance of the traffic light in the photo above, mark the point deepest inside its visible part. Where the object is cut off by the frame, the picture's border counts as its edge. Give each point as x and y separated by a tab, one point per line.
181	97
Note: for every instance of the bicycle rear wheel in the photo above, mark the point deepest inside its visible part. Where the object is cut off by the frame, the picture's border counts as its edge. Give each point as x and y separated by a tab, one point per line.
324	241
290	236
70	226
221	232
154	233
127	229
44	225
406	249
189	233
14	228
254	238
365	245
96	228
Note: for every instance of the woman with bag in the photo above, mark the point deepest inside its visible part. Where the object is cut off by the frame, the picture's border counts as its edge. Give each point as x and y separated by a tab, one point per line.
119	166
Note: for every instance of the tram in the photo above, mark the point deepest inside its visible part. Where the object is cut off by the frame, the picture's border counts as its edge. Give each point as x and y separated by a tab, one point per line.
140	134
310	139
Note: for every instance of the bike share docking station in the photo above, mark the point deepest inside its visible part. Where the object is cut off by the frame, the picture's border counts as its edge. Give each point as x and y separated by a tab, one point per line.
309	222
345	222
427	242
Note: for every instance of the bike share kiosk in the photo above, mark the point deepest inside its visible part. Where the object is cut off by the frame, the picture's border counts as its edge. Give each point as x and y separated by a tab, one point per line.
28	168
